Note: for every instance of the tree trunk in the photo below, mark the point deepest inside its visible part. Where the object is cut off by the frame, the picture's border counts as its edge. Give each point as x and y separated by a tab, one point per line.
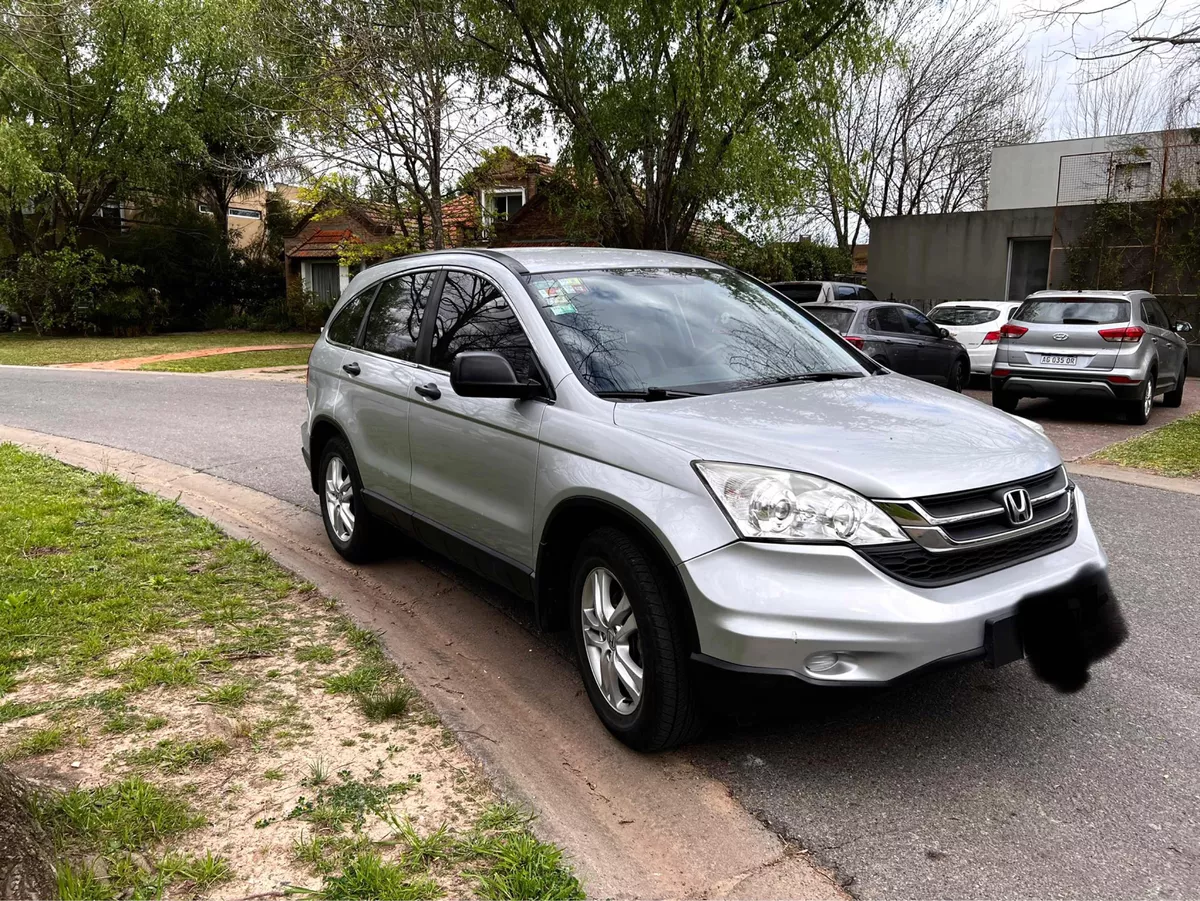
26	870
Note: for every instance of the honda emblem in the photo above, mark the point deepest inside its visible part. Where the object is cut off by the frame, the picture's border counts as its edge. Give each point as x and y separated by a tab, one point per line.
1018	506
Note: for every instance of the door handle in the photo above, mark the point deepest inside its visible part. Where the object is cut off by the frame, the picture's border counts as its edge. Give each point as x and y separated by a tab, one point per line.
352	368
431	391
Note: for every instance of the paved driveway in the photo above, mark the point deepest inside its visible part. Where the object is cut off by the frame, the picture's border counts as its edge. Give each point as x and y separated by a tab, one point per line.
1081	428
970	783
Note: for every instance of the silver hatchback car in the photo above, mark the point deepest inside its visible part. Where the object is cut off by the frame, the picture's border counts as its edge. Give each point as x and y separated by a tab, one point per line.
1107	345
684	468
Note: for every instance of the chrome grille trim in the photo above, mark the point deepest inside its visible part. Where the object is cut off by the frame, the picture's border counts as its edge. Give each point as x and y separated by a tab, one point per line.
929	530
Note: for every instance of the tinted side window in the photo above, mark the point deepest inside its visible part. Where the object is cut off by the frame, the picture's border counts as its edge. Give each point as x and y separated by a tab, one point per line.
865	294
473	315
1154	314
395	321
888	319
847	292
918	324
344	328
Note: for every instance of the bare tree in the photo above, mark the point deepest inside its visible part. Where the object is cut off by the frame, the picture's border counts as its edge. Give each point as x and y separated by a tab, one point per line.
1112	99
912	131
387	99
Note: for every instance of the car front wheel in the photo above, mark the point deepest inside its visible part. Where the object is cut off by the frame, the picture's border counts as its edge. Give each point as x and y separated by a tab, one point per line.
631	644
1006	402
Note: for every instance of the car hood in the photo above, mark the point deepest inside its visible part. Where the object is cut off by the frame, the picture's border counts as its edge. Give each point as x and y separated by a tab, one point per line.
885	436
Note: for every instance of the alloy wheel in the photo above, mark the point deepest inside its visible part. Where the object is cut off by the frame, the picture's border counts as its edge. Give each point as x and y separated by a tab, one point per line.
611	640
1148	400
339	499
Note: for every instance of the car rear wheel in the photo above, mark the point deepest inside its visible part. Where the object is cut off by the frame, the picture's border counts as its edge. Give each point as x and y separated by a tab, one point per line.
1174	398
631	643
1006	402
350	528
1138	411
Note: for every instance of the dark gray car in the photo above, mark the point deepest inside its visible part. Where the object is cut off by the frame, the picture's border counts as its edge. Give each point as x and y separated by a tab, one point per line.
900	337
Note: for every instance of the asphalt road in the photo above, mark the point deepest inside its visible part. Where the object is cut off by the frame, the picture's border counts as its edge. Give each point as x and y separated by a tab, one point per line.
968	783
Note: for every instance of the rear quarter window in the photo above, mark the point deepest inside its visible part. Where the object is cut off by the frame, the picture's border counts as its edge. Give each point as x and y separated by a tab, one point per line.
964	315
1072	311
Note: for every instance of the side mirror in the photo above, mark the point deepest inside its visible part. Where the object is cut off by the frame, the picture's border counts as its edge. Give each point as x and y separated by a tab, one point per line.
485	373
1182	327
945	333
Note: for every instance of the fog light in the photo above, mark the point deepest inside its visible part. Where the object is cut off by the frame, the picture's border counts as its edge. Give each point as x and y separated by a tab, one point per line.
821	662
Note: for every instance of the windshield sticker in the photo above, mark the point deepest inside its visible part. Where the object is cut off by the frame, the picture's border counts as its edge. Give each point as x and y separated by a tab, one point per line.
562	309
551	290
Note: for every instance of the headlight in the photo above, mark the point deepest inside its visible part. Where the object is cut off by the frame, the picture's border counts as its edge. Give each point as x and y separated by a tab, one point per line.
775	504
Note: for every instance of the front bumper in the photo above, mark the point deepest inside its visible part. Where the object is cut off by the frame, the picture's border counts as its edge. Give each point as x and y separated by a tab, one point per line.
769	607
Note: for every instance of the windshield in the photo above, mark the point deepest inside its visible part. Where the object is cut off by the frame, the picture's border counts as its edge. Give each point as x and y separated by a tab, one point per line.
1073	311
963	315
837	318
689	330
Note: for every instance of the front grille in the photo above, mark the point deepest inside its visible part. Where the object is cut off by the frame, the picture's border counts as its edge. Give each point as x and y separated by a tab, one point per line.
958	503
913	564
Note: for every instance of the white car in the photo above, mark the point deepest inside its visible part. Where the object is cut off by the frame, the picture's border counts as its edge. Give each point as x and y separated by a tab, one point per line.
976	326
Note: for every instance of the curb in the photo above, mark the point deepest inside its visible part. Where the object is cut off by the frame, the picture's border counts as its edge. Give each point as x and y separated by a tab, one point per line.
1137	477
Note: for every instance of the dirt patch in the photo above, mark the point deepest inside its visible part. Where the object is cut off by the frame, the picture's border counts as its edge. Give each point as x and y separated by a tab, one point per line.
137	362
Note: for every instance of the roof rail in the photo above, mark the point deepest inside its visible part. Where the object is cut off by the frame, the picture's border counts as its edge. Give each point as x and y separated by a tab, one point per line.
504	259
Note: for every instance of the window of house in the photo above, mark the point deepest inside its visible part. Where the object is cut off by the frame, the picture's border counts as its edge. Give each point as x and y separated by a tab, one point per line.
395	321
204	208
324	280
1028	266
244	213
473	315
1132	178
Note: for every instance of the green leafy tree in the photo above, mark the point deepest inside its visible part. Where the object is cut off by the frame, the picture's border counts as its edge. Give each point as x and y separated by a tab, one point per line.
674	109
112	100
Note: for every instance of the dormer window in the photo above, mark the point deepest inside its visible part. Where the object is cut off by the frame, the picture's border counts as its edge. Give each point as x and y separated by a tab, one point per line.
501	204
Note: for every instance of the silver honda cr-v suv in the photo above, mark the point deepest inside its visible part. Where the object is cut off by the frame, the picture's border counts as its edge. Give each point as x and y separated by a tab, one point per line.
685	468
1117	346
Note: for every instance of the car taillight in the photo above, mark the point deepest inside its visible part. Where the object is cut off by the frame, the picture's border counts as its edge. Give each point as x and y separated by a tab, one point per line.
1122	380
1132	334
1008	330
853	339
991	338
1001	373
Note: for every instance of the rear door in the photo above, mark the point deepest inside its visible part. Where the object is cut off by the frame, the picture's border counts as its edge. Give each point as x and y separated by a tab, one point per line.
1063	333
1155	321
379	374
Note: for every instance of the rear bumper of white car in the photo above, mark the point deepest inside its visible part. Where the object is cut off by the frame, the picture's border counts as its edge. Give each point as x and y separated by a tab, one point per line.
982	357
772	607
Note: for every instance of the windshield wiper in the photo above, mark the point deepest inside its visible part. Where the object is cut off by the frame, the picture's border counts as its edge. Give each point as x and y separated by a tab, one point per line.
648	394
797	379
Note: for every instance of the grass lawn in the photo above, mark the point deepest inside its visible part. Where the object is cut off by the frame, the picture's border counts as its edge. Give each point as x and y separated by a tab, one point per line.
1173	450
27	349
216	726
247	359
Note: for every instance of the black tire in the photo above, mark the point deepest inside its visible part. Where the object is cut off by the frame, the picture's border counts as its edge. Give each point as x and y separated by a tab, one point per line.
668	713
1006	402
362	543
960	375
1174	398
1137	412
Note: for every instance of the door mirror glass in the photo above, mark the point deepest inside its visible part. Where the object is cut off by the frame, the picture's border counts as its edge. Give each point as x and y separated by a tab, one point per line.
485	373
945	333
1183	327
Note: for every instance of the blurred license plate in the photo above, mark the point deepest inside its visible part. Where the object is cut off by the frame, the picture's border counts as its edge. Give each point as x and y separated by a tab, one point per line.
1058	360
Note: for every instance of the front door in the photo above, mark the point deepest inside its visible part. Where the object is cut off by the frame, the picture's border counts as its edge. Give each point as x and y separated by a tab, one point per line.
934	353
1169	345
474	459
378	377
